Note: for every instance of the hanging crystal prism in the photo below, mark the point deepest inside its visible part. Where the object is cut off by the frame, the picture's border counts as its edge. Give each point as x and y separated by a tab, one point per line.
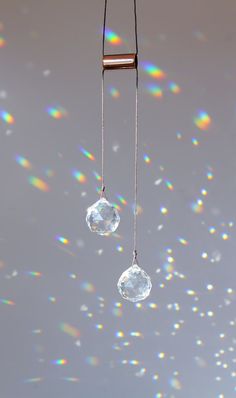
102	217
134	284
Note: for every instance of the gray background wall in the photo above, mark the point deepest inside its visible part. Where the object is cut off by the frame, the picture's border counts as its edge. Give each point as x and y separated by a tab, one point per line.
65	331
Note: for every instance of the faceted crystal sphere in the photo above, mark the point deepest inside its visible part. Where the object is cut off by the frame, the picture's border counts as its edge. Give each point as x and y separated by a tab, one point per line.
134	284
102	217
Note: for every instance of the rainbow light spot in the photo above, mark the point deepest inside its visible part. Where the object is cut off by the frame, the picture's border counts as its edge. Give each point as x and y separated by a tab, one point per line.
175	383
119	334
49	173
7	117
119	248
7	302
197	207
164	210
117	312
63	240
169	185
71	379
202	120
134	362
79	176
195	142
33	380
35	274
114	92
183	241
169	268
88	287
138	209
88	154
210	175
179	135
57	112
60	362
52	299
136	334
155	90
98	190
153	70
92	361
117	207
212	230
23	162
70	330
39	184
2	42
147	159
97	176
153	306
112	37
174	88
225	236
122	200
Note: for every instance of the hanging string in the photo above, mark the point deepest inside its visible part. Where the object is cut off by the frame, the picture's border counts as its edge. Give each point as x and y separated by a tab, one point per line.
136	143
136	171
103	184
136	127
102	138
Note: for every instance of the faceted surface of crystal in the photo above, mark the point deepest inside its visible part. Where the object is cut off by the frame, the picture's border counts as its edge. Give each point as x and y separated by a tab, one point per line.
102	217
134	284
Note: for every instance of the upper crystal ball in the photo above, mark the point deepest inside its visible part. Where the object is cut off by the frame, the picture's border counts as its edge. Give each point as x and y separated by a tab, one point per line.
134	284
102	217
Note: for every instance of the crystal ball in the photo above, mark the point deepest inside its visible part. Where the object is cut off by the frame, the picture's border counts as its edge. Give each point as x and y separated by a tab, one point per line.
134	284
102	217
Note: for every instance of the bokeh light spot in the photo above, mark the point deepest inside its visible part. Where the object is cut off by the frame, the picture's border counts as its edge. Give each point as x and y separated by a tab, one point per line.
114	92
112	38
62	240
153	70
174	88
57	112
202	120
147	159
7	117
88	154
69	329
80	177
155	90
60	362
39	184
22	161
7	302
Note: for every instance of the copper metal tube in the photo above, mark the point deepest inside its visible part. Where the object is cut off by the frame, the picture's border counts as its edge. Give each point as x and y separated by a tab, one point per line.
120	61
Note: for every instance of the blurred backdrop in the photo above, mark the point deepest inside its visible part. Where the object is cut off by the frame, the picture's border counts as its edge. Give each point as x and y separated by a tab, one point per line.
65	331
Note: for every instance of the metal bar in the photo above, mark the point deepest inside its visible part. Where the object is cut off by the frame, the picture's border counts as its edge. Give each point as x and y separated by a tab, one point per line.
120	61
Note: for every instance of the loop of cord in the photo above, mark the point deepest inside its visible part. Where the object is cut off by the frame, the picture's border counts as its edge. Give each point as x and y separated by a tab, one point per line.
136	127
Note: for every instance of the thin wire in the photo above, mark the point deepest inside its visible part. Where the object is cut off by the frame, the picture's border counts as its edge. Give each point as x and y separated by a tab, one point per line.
136	170
102	143
135	27
102	138
136	126
136	142
104	28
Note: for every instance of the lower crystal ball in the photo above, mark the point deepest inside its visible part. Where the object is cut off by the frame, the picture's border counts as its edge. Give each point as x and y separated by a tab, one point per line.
134	284
102	217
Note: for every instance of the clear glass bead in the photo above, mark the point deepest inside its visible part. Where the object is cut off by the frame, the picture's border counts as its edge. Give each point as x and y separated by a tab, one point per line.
102	217
134	284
